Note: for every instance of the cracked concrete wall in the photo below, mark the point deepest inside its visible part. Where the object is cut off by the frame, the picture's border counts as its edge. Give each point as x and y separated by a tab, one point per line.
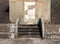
17	10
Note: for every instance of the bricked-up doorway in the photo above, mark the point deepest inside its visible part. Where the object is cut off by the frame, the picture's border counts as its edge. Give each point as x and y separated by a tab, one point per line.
29	9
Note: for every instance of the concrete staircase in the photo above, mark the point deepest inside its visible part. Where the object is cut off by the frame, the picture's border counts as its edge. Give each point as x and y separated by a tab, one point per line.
28	31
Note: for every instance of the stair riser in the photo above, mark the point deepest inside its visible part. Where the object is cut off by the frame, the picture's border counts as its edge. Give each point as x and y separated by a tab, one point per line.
23	30
29	33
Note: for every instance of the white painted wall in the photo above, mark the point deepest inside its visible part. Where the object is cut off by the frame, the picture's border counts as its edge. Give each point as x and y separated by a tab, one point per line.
30	12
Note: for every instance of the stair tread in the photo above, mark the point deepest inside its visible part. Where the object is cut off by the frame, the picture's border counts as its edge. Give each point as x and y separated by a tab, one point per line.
29	33
28	30
33	36
27	27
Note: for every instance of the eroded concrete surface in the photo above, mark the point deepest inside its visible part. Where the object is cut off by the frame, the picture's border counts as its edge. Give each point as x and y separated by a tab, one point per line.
26	41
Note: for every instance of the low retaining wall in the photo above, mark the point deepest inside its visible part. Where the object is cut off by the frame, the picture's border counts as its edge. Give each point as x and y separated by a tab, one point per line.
7	30
52	31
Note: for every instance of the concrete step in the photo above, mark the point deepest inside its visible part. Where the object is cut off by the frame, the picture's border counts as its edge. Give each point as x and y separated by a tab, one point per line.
28	30
28	33
28	36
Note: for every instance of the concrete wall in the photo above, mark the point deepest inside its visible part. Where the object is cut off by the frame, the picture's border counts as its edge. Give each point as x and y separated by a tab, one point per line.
52	31
17	10
55	11
43	10
3	5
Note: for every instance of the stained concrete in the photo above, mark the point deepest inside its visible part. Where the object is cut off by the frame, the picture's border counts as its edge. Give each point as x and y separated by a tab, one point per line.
26	41
17	10
3	5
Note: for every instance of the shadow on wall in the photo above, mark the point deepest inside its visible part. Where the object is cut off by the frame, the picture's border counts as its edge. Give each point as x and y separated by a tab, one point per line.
7	10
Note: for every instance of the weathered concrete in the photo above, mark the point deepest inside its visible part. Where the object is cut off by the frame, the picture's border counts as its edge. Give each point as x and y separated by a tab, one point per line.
17	10
52	32
3	5
55	11
26	41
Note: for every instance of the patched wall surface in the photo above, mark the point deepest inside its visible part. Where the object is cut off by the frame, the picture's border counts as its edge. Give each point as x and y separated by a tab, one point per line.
42	10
